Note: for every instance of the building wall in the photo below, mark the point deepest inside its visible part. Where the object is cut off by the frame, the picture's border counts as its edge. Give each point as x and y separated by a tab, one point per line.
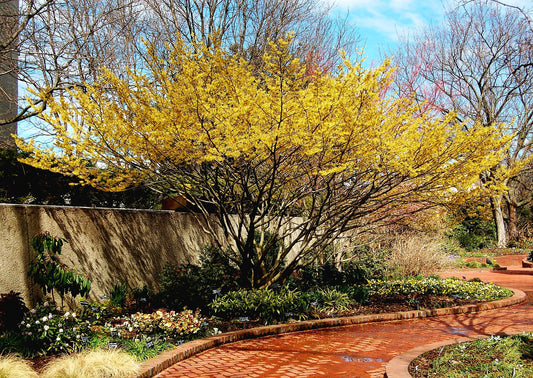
111	245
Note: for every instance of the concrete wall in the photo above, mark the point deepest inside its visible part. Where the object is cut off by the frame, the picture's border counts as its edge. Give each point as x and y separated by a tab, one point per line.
110	245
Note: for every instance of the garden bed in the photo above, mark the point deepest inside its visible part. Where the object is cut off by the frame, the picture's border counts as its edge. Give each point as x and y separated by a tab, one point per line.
375	305
497	356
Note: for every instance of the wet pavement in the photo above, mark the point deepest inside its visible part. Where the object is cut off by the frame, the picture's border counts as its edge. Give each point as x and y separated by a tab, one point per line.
356	350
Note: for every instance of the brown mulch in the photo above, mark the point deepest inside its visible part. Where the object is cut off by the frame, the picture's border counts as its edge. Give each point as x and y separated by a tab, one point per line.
38	363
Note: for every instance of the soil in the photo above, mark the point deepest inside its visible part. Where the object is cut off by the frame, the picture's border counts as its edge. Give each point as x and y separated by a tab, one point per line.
38	363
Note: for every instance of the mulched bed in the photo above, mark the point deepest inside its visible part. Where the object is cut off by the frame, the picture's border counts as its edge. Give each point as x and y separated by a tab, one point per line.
376	305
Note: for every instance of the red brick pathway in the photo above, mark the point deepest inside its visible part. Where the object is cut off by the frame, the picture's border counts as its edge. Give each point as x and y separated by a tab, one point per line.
356	350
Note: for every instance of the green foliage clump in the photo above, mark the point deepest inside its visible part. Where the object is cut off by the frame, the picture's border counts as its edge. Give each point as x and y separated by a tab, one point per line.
49	273
473	232
195	285
265	304
365	265
47	330
330	300
12	310
452	287
118	294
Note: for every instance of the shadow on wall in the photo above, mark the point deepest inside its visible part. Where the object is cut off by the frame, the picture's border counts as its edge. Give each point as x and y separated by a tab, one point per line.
110	245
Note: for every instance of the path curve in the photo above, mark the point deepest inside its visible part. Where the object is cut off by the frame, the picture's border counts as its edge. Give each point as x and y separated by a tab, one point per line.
361	350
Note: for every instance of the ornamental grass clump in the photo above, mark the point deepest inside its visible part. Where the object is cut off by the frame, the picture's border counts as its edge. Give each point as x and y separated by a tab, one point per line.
97	364
451	287
15	367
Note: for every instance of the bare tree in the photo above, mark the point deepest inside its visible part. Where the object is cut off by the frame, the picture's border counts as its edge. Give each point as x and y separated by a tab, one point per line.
246	26
479	65
60	44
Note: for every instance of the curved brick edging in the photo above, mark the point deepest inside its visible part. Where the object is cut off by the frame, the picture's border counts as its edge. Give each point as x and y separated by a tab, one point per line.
398	367
166	359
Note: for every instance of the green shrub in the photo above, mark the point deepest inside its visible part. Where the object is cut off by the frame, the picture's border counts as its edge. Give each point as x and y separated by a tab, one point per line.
330	300
48	330
196	285
313	276
49	273
118	294
530	256
12	310
265	304
473	232
431	286
367	264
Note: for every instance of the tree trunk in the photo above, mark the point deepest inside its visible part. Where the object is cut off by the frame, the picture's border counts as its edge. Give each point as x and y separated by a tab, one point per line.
499	222
512	221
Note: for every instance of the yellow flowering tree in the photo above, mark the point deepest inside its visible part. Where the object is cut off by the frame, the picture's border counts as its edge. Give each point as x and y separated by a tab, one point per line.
286	161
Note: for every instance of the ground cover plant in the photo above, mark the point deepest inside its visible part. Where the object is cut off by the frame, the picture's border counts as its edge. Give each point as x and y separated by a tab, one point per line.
497	356
275	305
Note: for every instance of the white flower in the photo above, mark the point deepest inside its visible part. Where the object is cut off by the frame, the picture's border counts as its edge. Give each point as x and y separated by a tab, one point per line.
58	338
44	319
22	322
28	325
78	336
58	308
60	325
33	311
66	314
46	328
60	330
37	322
45	304
73	314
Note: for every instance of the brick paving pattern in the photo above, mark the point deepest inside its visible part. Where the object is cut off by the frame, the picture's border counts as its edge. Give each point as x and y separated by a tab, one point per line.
355	350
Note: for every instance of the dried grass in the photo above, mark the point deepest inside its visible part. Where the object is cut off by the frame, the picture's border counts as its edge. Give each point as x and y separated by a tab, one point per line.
15	367
93	364
415	254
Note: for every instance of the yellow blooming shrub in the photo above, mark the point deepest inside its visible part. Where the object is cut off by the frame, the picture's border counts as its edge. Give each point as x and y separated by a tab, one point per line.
336	149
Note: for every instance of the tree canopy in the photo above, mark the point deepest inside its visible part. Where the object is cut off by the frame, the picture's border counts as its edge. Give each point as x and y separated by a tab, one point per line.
300	154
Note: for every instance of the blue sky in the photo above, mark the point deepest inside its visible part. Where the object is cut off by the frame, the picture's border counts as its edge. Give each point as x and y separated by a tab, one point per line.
380	23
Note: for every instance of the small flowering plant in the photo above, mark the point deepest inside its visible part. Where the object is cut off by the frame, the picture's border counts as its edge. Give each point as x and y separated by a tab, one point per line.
48	330
451	287
173	325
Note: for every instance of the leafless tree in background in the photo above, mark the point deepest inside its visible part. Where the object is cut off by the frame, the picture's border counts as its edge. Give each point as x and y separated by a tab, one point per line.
60	44
479	64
